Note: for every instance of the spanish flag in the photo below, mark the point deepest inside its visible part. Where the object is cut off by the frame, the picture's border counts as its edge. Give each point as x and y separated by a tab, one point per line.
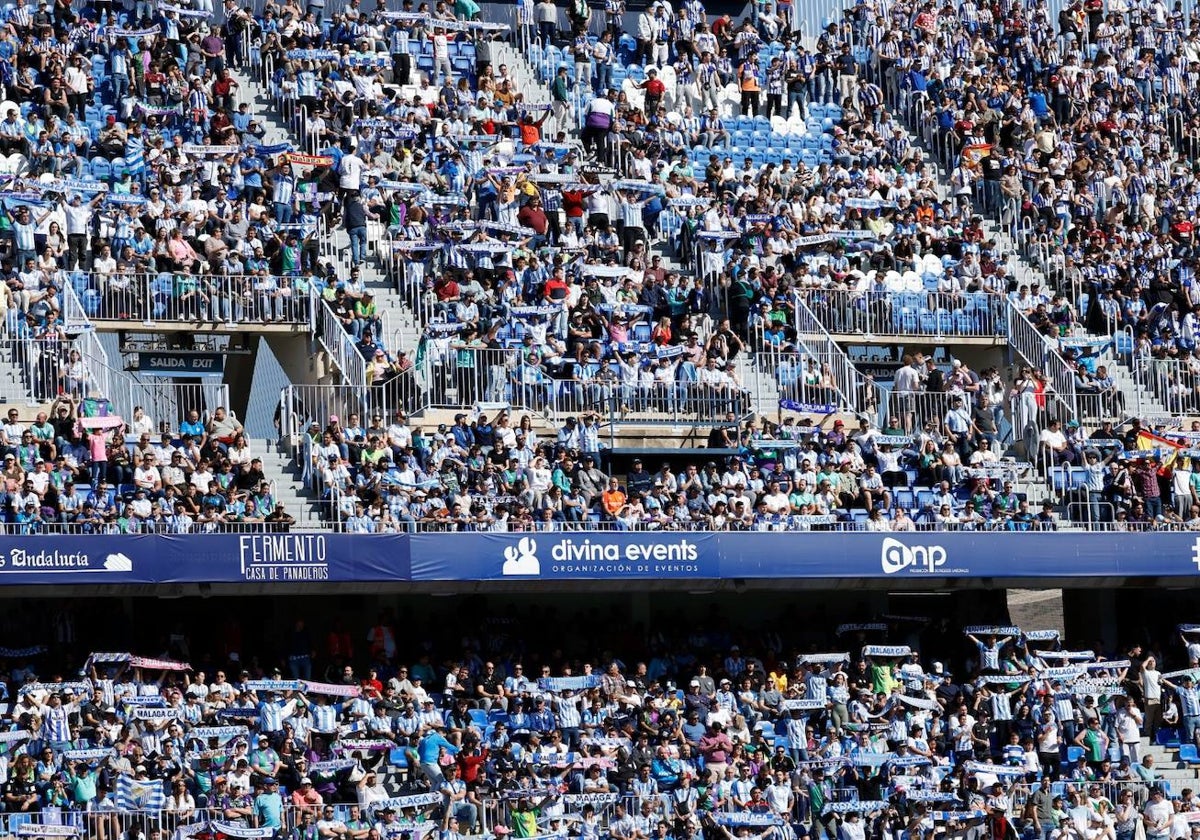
974	153
1166	448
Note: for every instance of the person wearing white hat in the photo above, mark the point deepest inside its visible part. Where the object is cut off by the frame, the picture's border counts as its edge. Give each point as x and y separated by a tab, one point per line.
306	798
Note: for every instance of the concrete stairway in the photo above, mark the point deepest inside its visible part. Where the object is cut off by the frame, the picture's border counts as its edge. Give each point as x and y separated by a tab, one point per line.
1024	272
400	331
1141	401
1137	399
19	371
281	468
1168	766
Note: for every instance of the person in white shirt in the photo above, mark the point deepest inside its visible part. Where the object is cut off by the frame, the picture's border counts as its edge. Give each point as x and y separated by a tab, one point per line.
1157	815
142	424
852	827
1129	730
350	173
1054	444
779	795
1086	824
734	476
1152	693
776	500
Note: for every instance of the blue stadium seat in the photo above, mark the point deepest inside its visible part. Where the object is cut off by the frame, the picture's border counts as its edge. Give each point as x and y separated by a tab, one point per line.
781	734
101	169
1167	737
1060	479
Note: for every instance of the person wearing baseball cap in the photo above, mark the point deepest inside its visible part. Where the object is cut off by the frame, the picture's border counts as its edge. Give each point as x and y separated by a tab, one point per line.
306	799
268	805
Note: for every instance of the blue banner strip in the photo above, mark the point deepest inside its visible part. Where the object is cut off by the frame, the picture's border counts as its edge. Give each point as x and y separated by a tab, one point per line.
322	558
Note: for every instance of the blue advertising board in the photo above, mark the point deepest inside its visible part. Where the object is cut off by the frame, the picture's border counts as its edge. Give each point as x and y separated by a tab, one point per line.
812	555
317	558
219	558
560	555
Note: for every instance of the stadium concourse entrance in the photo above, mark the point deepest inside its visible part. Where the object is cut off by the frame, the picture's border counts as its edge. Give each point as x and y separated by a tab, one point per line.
262	629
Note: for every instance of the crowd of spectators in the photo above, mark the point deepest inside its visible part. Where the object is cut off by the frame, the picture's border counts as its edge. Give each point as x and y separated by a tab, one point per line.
481	473
1077	134
138	177
1009	731
531	268
70	471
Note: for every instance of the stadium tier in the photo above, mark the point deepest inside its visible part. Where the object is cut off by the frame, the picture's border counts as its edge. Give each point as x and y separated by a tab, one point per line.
343	729
284	271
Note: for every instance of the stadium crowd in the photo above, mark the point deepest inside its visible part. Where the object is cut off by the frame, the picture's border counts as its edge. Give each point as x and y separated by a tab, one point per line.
1078	134
75	469
482	474
1021	737
526	229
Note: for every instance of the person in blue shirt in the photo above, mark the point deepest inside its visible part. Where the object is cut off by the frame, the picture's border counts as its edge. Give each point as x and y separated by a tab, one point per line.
428	750
268	805
251	169
29	520
541	718
989	652
1189	705
241	118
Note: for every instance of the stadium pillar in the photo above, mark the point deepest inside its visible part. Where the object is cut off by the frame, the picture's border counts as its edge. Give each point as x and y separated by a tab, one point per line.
299	361
239	373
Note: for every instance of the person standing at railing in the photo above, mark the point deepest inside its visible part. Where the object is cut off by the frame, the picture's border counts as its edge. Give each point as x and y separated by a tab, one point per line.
468	348
959	428
268	806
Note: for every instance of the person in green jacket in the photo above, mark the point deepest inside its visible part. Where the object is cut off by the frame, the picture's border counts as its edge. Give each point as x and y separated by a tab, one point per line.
1094	742
366	315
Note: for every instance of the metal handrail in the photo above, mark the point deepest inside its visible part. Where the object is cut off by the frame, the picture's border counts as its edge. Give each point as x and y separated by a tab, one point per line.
812	336
1042	353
